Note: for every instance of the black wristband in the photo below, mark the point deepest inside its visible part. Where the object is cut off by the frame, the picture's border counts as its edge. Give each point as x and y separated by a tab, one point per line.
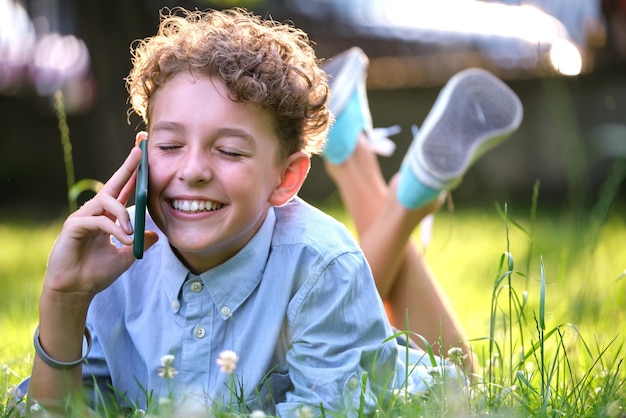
60	365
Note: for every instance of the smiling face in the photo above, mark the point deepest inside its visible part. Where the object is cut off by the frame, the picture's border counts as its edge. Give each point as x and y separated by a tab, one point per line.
214	169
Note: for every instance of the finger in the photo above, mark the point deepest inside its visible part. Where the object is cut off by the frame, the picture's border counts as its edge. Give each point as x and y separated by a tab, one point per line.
81	227
106	205
128	189
121	177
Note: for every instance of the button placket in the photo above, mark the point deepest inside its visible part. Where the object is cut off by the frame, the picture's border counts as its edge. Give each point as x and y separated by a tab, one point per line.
198	315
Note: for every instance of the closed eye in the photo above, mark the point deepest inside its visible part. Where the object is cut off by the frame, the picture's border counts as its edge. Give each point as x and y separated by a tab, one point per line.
230	154
169	147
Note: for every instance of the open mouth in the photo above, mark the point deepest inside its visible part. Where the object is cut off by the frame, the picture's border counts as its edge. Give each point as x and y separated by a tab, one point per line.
195	206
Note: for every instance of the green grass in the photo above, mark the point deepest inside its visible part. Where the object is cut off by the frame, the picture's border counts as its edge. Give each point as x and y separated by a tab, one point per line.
550	340
23	255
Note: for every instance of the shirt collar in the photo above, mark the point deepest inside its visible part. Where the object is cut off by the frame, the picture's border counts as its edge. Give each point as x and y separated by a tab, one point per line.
231	282
174	273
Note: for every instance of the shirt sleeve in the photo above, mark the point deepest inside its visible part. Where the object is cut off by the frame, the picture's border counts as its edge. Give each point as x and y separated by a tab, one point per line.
338	328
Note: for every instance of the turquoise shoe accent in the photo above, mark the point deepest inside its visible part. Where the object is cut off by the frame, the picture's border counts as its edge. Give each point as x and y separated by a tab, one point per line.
348	103
344	133
412	193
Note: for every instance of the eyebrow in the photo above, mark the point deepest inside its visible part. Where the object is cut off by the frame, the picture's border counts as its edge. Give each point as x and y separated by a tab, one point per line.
167	126
240	133
221	132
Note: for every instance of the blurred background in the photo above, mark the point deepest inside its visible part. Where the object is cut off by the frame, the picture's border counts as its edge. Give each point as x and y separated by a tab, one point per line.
566	59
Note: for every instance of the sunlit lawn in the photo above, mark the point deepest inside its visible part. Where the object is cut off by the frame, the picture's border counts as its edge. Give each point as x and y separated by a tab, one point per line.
584	283
583	276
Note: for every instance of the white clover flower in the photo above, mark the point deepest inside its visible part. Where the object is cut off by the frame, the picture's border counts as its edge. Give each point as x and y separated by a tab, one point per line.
404	394
227	360
167	371
165	401
304	412
434	372
456	355
35	408
257	414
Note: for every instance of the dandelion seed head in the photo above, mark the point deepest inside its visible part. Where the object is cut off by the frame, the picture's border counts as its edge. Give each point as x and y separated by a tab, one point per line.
257	414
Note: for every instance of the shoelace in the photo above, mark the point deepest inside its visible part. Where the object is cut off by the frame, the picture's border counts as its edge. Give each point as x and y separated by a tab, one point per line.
380	142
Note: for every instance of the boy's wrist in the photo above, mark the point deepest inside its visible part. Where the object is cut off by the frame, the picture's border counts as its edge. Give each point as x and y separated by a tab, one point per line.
63	312
60	365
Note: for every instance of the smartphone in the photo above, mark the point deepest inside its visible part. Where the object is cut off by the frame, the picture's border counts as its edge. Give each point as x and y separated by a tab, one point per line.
141	200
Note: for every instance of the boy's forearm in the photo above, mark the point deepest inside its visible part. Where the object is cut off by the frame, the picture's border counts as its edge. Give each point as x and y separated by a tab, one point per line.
62	319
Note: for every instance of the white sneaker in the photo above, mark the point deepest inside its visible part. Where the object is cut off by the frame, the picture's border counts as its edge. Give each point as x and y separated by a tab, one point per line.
348	103
473	113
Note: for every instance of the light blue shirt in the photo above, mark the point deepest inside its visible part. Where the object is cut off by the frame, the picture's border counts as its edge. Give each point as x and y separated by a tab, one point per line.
297	304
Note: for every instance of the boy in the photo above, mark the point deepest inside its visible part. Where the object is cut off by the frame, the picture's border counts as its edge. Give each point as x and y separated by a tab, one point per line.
234	106
240	275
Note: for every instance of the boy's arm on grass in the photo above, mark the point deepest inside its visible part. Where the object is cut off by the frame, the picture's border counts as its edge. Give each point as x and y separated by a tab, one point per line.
82	263
61	333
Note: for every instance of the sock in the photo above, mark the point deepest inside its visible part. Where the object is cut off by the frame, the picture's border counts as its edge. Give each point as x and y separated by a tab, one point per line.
411	193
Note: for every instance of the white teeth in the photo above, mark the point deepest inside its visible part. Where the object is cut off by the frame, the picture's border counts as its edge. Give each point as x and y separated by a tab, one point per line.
194	205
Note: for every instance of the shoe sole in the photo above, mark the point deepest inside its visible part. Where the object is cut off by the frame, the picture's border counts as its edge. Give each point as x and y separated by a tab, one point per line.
474	112
346	69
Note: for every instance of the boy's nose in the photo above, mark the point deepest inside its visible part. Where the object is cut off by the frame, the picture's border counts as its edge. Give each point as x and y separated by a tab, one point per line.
196	168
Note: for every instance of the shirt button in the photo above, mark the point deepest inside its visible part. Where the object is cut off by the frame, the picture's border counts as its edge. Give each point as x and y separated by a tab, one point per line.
175	305
225	310
196	287
353	383
199	332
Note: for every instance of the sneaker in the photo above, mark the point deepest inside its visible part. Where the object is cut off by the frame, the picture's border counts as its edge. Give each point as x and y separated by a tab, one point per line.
473	113
348	103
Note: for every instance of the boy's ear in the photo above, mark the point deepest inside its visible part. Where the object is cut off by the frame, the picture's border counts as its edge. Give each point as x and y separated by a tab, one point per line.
140	136
295	170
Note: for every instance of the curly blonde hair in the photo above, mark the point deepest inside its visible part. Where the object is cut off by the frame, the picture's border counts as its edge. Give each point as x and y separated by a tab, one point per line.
261	61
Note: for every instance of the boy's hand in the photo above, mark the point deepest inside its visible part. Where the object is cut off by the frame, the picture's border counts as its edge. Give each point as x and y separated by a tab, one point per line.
83	260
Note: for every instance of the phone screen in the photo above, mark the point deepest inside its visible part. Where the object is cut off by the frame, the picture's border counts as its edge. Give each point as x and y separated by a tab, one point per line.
141	200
